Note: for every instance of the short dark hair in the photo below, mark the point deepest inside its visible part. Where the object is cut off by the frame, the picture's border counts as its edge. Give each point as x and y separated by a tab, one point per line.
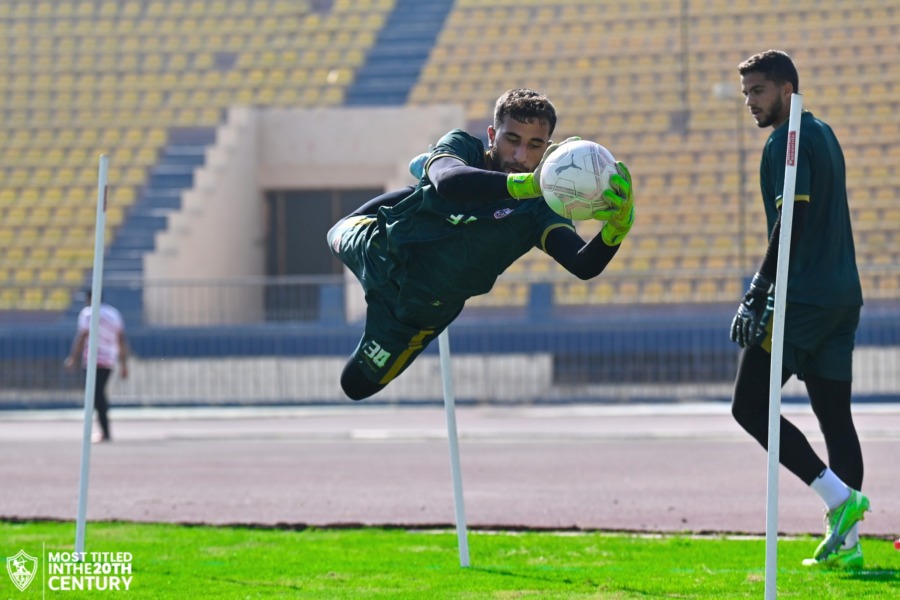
775	65
526	106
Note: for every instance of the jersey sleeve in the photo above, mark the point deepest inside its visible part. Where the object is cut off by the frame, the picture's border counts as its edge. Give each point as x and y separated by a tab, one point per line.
771	178
461	145
547	221
805	154
777	160
84	320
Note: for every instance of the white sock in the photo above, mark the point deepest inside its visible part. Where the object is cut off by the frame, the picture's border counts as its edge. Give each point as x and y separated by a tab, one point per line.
852	537
830	488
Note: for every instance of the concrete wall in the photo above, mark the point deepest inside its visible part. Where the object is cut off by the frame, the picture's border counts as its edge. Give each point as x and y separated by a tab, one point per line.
347	147
219	233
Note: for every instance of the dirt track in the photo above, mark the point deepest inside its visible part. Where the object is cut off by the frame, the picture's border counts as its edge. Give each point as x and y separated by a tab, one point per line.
651	468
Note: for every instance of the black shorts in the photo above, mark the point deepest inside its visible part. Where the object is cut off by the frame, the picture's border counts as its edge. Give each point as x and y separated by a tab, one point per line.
818	340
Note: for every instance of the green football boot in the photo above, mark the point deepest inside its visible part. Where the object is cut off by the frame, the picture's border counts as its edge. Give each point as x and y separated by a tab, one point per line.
839	521
844	559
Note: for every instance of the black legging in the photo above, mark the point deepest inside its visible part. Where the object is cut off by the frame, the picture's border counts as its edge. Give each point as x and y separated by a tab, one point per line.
830	400
101	403
355	383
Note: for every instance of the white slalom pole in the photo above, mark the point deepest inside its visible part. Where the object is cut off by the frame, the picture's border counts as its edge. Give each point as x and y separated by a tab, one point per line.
450	408
91	379
781	283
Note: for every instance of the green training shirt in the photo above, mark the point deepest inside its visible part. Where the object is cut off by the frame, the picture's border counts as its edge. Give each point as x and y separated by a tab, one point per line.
443	250
823	267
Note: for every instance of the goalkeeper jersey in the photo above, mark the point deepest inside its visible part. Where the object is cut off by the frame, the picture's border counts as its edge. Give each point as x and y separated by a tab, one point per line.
441	251
823	265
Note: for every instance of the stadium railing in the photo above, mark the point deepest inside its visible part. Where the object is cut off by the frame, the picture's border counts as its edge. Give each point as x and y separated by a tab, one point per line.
283	341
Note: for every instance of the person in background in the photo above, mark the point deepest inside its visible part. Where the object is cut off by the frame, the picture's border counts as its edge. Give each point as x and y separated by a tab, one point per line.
112	349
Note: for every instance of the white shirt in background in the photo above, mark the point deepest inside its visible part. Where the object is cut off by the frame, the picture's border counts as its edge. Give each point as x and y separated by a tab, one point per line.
109	327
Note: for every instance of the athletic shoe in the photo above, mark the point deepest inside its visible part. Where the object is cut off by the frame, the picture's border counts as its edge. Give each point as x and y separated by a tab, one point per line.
839	521
845	558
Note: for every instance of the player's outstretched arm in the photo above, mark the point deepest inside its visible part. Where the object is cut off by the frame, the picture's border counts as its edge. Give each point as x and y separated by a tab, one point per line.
587	260
583	260
455	180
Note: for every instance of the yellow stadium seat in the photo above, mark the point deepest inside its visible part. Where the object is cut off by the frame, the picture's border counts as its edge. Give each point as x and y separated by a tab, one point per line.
9	298
48	275
23	275
168	63
72	276
32	299
57	299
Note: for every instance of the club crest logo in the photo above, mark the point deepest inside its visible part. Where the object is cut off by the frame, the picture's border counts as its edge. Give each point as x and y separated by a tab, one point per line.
503	212
21	569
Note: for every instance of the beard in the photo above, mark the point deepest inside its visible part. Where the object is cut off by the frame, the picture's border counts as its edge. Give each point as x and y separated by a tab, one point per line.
497	164
767	117
493	159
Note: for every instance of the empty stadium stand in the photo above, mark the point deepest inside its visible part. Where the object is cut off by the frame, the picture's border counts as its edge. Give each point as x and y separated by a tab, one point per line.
394	62
129	79
641	78
136	79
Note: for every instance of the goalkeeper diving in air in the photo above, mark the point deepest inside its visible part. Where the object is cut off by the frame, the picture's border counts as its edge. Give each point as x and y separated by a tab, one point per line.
421	252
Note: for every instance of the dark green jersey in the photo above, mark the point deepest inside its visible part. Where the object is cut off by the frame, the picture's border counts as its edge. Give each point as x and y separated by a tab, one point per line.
823	267
442	250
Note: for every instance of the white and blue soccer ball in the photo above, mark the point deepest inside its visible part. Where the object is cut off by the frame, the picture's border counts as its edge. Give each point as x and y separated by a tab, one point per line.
574	177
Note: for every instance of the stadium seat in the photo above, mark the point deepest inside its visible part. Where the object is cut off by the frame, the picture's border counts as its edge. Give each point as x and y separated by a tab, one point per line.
153	65
647	73
613	69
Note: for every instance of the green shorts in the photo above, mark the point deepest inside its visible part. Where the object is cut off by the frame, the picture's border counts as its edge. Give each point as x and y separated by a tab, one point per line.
399	324
818	340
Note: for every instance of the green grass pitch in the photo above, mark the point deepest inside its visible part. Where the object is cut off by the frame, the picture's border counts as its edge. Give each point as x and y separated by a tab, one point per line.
178	561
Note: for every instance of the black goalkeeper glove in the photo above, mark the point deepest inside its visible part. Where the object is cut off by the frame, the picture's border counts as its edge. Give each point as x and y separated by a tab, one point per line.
749	325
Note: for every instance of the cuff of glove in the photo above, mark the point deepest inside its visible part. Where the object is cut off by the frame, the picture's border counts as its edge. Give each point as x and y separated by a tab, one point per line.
613	234
522	186
761	284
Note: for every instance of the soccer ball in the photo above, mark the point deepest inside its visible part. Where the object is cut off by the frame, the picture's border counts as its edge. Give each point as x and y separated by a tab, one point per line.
574	178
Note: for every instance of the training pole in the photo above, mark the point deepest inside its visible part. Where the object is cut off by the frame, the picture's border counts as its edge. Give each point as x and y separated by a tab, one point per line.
91	375
450	408
781	283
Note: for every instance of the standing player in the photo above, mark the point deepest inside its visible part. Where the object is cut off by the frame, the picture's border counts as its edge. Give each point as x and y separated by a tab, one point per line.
823	305
112	347
419	256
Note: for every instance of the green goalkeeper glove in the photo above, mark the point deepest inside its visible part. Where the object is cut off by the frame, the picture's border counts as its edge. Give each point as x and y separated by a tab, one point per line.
523	186
620	216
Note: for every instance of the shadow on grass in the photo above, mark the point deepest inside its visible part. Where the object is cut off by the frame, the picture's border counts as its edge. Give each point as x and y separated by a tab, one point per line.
531	575
875	574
